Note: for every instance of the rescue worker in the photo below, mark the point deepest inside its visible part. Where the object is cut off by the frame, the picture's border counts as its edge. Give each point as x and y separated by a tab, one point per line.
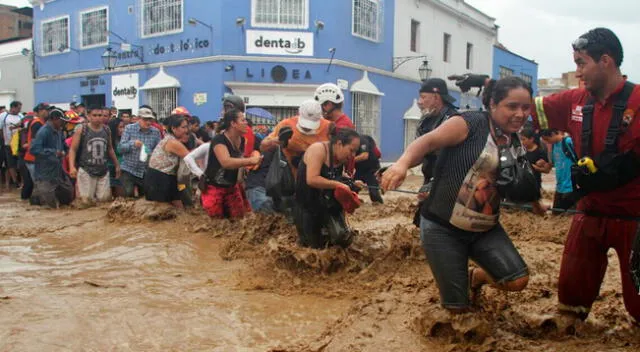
331	100
437	106
603	119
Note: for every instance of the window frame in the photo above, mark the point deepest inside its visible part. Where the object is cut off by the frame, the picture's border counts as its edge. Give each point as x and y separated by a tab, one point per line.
160	34
255	24
527	78
414	43
505	69
85	11
446	47
380	22
469	58
53	19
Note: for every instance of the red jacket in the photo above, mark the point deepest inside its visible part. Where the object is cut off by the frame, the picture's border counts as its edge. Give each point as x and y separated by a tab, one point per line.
563	111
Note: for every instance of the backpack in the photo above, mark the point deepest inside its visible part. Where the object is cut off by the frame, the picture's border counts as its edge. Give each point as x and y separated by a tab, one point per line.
568	151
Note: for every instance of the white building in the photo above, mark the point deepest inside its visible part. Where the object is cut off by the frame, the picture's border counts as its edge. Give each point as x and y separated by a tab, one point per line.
454	36
16	74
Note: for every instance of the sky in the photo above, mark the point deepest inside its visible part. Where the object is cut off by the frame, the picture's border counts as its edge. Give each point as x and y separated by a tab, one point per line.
543	30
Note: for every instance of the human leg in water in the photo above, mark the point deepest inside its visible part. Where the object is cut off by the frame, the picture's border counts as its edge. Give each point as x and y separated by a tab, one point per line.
309	227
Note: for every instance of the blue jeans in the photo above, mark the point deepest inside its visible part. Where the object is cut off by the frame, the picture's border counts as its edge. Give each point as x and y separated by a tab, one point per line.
260	202
448	251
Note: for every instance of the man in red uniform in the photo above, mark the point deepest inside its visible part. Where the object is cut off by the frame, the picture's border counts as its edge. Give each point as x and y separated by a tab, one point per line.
610	216
331	99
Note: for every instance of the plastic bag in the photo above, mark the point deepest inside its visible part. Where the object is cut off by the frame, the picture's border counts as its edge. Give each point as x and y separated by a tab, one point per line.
280	182
143	154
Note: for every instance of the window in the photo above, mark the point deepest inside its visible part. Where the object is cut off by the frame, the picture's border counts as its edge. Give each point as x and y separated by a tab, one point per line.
526	78
368	19
94	27
469	55
280	13
505	72
446	48
366	112
162	101
415	33
55	36
161	17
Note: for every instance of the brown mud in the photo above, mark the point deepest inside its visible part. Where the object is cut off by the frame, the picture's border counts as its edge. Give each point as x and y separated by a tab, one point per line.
143	276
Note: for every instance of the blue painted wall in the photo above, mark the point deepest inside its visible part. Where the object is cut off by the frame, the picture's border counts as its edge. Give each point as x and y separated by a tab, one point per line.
517	63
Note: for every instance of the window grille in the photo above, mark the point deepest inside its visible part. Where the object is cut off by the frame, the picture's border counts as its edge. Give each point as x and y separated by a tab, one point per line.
162	101
527	78
368	19
415	32
366	114
280	13
94	28
161	17
469	56
410	128
446	48
505	72
55	36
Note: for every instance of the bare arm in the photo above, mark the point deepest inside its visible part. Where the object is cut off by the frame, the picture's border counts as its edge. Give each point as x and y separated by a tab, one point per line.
314	157
176	147
268	144
228	162
73	151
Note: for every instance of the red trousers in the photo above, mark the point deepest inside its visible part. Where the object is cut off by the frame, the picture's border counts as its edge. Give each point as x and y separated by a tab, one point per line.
225	202
584	262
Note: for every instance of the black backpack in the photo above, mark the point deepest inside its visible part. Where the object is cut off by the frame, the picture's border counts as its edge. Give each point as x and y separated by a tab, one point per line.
568	150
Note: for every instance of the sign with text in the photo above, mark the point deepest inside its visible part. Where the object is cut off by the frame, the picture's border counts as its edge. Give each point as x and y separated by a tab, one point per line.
279	43
125	92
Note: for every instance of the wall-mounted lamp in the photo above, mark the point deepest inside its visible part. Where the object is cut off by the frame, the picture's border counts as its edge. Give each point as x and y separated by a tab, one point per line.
319	25
229	68
425	70
126	46
109	59
194	21
240	22
26	52
332	51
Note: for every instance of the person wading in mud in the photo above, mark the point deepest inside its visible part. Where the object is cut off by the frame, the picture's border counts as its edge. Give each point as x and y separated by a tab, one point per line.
321	197
460	216
437	106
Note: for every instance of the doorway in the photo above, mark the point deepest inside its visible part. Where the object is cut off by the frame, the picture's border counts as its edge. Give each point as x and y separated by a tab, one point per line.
95	100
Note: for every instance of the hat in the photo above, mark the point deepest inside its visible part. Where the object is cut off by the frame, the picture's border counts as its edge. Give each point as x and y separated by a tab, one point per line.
42	106
72	104
72	117
56	113
145	113
437	86
180	110
310	114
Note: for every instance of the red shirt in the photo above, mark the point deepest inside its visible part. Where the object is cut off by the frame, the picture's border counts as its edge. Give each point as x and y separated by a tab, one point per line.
563	111
250	141
344	122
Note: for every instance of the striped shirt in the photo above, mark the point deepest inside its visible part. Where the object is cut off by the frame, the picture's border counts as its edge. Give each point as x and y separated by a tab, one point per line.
130	153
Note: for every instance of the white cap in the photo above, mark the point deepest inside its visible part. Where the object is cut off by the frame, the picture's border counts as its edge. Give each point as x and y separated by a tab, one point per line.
145	113
310	114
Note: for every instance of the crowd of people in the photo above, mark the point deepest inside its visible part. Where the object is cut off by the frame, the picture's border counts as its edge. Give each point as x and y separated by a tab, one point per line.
310	167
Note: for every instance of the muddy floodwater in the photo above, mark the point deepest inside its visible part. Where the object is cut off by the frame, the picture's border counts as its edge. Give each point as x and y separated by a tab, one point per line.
137	276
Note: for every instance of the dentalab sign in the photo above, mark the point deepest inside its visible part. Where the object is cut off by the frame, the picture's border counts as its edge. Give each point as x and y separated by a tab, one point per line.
124	92
279	43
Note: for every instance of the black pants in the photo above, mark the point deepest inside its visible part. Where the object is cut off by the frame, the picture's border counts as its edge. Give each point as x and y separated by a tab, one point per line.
321	227
27	181
369	177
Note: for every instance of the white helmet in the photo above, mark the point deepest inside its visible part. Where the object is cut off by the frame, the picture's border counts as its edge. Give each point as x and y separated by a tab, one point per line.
329	92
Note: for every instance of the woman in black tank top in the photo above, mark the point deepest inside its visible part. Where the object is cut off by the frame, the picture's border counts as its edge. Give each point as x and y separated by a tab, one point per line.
319	217
460	219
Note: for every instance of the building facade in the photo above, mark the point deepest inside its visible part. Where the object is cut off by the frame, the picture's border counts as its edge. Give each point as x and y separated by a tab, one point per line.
16	75
507	63
453	36
191	53
15	22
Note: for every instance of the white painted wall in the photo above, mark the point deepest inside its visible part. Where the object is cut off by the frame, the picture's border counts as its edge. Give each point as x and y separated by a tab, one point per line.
465	24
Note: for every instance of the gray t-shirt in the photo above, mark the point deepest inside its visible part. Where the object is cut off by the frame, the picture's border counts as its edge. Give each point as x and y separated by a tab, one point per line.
94	151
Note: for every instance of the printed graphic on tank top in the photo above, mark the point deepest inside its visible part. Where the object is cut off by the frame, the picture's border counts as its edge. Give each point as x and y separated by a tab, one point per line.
478	202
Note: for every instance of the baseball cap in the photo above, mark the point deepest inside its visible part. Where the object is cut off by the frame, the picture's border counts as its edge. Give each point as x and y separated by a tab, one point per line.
145	113
180	110
310	114
42	106
437	86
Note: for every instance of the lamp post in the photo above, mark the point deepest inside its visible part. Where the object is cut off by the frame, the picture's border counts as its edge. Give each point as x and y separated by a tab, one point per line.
425	71
109	59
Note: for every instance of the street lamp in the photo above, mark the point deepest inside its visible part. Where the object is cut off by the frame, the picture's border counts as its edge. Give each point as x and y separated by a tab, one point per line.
424	70
109	59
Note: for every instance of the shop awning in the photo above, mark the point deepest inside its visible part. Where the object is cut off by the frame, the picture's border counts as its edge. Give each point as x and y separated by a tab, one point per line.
364	85
270	94
161	80
414	112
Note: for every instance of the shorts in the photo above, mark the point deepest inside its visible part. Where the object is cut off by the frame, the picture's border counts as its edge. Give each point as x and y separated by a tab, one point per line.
160	187
225	202
448	252
93	188
11	160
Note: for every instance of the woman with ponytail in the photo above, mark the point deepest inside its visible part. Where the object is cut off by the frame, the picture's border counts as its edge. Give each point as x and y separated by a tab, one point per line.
460	219
222	195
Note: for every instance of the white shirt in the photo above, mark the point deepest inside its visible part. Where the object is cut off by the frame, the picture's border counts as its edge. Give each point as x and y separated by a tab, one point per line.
200	153
11	120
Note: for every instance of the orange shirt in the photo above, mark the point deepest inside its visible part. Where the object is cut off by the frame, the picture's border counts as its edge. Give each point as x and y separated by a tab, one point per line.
299	142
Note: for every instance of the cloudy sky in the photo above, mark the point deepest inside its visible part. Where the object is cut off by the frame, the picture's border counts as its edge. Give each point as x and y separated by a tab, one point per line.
543	30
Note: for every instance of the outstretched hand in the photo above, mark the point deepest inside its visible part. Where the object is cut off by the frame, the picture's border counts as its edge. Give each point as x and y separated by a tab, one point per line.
393	177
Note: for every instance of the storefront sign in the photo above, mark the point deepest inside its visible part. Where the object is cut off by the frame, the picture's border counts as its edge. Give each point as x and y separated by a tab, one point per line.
200	98
125	92
279	43
343	84
280	74
184	45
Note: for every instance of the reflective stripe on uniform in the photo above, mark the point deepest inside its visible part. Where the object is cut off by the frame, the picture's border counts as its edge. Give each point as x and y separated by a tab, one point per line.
542	117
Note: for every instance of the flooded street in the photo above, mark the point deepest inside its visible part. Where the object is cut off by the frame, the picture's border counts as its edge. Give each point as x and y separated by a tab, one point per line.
138	276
